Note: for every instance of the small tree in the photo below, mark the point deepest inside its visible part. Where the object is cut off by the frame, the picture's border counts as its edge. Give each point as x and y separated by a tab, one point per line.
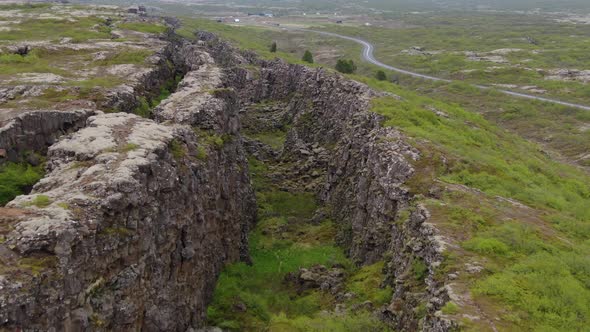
273	47
307	57
346	66
381	76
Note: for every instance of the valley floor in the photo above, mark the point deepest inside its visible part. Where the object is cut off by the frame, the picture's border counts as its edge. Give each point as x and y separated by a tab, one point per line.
299	279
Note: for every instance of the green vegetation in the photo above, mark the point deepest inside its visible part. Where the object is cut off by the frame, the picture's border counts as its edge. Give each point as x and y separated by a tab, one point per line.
365	283
64	205
307	57
486	157
17	179
275	139
201	153
250	38
524	45
273	47
210	138
129	147
54	29
527	274
419	270
346	66
479	154
136	57
144	108
34	62
145	27
147	104
255	297
177	149
40	201
166	90
450	308
37	265
381	76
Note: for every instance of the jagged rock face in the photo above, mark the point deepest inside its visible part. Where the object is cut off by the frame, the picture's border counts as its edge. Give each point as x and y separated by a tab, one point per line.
147	83
365	165
133	222
337	147
136	217
36	131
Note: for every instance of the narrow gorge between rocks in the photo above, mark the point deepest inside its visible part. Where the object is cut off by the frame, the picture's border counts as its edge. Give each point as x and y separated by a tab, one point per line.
259	195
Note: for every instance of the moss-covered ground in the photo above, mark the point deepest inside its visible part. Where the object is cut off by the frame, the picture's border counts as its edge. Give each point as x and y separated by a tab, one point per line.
256	298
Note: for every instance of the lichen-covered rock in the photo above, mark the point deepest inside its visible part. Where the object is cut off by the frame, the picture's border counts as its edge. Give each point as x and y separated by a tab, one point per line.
338	148
36	131
317	277
128	230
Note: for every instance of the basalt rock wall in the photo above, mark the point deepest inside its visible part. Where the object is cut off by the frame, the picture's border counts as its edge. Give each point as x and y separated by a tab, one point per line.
358	168
134	220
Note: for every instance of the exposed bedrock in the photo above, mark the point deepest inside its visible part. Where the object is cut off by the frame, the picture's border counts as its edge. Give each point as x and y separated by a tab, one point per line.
136	217
133	222
36	131
338	148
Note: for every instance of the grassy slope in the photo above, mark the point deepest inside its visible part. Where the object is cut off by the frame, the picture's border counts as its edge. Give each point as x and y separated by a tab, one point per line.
535	275
539	270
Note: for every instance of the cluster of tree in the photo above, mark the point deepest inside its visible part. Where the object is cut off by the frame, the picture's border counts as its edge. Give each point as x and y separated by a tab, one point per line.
307	57
345	66
382	76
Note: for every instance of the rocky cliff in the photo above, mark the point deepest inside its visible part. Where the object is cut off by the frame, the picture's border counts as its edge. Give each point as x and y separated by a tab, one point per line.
136	217
358	169
36	131
133	222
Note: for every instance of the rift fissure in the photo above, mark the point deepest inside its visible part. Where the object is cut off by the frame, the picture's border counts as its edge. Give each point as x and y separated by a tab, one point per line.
171	203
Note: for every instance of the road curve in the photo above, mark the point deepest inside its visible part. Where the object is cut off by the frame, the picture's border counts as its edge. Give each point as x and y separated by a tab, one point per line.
368	55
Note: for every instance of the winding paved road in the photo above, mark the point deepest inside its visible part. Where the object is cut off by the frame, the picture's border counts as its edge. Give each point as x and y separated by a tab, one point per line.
368	55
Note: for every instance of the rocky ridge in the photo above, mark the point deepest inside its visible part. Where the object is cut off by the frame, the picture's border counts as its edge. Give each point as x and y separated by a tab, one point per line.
133	211
338	148
132	223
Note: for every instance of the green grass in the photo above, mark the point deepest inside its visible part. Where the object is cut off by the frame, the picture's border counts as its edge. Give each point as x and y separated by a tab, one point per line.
17	179
485	157
249	38
550	291
255	298
34	62
128	147
40	201
154	28
274	139
480	154
136	57
177	149
366	284
51	29
450	308
543	282
143	109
